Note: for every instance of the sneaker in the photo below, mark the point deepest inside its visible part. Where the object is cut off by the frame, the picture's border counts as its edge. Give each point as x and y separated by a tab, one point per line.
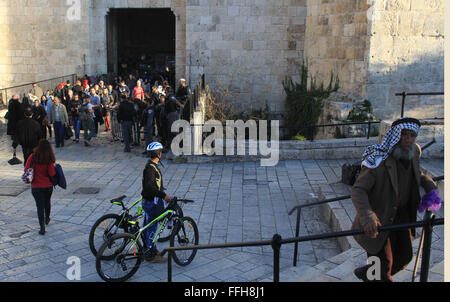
159	259
86	144
42	231
47	221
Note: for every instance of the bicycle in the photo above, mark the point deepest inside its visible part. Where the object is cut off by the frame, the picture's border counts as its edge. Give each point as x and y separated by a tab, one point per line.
110	224
127	250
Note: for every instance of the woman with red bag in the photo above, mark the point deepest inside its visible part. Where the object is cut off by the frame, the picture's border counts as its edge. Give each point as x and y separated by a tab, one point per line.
43	163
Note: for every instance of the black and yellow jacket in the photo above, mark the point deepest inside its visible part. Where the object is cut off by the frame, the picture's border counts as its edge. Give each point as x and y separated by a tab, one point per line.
152	183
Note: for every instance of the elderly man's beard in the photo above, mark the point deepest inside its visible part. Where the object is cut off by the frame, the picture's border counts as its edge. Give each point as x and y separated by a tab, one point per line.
403	154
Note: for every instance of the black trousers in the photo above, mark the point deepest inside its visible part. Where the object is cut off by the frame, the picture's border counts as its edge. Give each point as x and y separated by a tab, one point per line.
42	196
27	151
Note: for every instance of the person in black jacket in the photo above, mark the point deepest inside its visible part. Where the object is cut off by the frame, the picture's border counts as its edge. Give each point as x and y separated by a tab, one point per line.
15	114
74	107
39	115
153	197
125	116
28	133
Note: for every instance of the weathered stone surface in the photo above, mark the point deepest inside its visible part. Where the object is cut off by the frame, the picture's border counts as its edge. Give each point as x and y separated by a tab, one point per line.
377	48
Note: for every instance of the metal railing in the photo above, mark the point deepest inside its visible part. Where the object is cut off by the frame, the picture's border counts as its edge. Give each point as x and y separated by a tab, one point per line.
300	207
311	127
277	241
23	90
404	94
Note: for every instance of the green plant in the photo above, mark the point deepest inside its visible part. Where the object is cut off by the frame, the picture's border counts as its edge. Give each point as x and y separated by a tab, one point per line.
375	132
299	138
304	103
338	133
361	114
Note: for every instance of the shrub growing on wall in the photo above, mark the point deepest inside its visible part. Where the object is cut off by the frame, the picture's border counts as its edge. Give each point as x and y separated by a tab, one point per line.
304	104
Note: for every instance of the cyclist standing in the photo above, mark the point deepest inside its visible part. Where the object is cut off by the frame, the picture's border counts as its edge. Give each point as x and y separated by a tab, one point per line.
153	197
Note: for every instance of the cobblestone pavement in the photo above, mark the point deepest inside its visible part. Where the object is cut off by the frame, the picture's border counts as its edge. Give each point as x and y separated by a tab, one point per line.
234	202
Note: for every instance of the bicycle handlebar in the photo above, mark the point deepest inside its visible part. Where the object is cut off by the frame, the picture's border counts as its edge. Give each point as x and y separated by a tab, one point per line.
182	200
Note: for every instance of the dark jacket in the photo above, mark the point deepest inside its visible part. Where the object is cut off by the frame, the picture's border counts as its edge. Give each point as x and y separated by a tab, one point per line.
28	133
77	89
73	107
182	93
375	196
15	114
39	114
152	183
126	112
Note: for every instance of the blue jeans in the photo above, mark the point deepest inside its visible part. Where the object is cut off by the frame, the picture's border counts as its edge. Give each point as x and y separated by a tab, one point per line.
126	133
152	210
58	128
76	122
88	126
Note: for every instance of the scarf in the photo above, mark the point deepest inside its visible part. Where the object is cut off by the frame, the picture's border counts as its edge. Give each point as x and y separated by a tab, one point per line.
374	155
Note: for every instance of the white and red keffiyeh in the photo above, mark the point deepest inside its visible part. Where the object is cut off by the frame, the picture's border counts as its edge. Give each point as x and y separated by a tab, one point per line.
374	155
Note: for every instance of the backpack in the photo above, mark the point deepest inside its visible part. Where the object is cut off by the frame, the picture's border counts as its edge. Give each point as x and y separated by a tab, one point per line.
59	178
83	112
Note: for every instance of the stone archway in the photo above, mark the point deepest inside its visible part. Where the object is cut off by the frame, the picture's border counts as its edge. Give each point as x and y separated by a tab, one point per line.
98	59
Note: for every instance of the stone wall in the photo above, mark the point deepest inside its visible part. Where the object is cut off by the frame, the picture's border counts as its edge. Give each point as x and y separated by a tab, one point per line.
406	54
39	42
379	48
336	41
247	46
376	47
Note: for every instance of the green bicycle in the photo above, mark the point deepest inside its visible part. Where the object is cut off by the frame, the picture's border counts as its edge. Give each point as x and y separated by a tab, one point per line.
110	224
119	258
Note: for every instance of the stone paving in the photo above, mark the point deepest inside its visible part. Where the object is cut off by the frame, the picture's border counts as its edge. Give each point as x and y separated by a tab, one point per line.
234	202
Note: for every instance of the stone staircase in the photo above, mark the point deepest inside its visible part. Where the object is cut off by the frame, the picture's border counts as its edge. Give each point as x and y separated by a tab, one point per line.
340	267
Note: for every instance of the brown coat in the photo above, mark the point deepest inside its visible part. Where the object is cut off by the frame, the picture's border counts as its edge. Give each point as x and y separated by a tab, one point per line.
375	195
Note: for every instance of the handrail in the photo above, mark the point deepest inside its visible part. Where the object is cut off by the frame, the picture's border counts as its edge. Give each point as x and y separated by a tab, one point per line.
277	242
28	84
300	207
438	178
404	94
6	92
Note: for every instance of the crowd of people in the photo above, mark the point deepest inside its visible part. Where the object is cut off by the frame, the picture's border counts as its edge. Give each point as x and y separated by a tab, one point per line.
126	106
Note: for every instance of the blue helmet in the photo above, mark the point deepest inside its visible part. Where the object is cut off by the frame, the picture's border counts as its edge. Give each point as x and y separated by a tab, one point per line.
154	146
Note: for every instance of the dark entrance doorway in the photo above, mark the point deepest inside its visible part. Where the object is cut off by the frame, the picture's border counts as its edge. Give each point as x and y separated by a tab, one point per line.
142	41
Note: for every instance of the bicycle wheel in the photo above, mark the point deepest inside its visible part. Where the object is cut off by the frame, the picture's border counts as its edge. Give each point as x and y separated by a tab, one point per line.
126	254
167	232
186	234
103	229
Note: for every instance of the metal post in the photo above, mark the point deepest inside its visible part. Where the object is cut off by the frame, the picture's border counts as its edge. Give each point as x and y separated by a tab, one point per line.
428	229
169	267
276	244
403	103
297	233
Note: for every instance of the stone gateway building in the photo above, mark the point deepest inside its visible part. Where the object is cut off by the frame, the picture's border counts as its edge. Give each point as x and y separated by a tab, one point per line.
376	47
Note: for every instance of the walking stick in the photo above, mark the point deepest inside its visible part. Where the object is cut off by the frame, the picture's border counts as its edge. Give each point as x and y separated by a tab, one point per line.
419	251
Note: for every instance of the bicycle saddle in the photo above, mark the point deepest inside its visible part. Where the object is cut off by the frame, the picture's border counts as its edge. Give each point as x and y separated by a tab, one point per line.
118	199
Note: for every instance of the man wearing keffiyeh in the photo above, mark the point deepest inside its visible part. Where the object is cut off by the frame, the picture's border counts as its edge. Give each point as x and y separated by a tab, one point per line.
387	192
